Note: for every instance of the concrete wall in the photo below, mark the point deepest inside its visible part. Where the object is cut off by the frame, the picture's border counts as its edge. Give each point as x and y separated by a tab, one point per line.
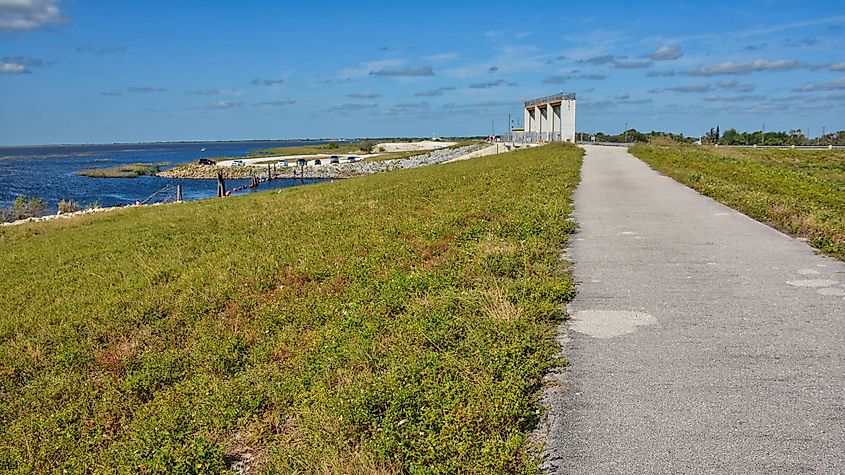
526	122
567	114
552	121
544	119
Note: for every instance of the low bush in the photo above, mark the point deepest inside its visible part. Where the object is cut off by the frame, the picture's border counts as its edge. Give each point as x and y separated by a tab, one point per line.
23	207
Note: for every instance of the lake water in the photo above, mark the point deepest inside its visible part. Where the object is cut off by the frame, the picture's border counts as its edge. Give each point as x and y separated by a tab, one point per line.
49	172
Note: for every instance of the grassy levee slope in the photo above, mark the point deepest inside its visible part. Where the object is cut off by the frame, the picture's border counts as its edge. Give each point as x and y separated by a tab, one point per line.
392	323
800	192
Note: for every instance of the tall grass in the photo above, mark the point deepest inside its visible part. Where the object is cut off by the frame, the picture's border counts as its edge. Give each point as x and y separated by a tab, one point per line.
393	323
132	170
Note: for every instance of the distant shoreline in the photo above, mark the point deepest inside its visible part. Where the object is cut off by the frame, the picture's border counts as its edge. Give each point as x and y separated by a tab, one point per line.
179	142
197	142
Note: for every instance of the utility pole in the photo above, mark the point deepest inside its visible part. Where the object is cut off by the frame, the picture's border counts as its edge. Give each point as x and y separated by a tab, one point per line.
763	137
493	129
626	132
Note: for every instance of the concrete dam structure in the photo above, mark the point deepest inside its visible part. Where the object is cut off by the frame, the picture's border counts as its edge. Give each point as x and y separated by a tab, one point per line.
549	119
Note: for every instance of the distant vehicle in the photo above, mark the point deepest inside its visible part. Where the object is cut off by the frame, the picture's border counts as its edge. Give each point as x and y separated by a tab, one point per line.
302	162
238	163
318	162
351	159
334	159
205	161
282	163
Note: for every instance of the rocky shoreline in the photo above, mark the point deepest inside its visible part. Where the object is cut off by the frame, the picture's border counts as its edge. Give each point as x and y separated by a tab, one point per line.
333	171
344	170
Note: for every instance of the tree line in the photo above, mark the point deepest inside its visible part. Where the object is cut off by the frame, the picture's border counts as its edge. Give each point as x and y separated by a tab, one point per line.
729	137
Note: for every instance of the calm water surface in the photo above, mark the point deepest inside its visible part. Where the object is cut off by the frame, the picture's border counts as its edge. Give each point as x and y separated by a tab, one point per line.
49	172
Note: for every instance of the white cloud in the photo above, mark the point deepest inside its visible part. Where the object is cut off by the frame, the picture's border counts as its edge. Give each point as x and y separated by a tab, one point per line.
439	58
630	64
363	69
685	88
22	15
413	71
365	95
276	103
746	67
735	98
146	89
13	68
222	105
838	66
666	53
434	92
354	107
510	58
488	85
822	86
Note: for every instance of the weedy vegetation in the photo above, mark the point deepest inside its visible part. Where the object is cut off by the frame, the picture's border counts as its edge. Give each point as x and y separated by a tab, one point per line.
68	206
398	322
800	192
23	207
132	170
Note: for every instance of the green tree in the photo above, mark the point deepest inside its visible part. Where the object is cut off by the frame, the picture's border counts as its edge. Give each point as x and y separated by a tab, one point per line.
367	146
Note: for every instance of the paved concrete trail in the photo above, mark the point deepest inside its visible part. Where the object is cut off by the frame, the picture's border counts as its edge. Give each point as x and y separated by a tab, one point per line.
701	340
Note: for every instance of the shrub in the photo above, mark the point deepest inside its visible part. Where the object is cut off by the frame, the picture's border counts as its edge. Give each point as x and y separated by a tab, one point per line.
367	146
68	206
25	207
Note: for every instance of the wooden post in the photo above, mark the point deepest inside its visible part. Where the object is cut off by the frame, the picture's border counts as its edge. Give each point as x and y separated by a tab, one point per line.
178	193
269	175
221	185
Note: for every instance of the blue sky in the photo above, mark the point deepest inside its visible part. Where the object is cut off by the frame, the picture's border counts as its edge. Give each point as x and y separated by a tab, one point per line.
103	71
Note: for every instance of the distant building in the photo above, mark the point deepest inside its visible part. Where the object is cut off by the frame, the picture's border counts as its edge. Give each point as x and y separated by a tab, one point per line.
549	119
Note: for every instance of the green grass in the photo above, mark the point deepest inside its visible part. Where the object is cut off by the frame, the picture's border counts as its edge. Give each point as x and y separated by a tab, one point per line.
132	170
398	322
800	192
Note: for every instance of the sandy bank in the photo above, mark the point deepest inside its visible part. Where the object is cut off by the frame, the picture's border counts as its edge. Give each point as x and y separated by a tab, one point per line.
389	147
